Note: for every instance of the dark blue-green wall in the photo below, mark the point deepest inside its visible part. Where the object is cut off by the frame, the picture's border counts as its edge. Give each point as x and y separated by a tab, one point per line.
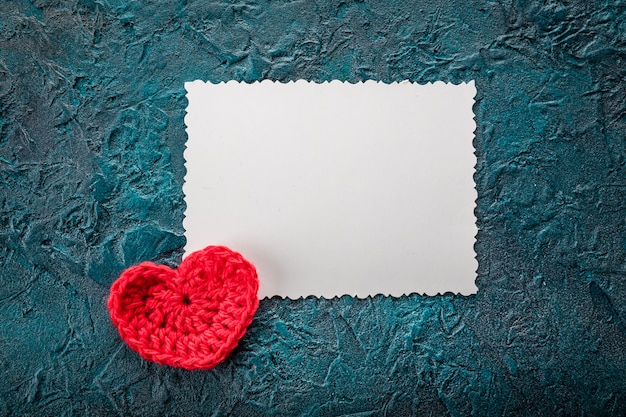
91	165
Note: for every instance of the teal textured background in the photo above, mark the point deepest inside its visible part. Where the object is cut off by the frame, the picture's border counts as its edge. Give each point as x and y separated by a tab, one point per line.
91	142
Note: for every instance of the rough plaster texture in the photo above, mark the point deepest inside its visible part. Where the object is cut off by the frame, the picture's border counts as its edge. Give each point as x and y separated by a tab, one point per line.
92	103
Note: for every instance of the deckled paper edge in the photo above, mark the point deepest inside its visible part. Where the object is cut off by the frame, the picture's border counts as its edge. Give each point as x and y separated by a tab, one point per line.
337	297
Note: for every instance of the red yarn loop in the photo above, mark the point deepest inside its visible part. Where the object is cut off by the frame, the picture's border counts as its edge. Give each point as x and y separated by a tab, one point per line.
189	318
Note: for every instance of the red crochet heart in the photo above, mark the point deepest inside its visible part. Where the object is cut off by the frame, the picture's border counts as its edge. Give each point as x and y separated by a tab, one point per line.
192	317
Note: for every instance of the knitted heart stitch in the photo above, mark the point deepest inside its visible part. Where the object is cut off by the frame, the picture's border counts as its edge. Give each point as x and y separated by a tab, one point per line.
190	318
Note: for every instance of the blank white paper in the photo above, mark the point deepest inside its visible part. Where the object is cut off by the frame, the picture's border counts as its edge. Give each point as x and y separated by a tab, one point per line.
335	188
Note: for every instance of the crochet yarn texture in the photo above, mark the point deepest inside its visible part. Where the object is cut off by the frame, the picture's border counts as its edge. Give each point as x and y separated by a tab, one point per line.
192	317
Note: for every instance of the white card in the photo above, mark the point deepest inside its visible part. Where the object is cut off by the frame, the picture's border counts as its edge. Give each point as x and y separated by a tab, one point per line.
335	188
